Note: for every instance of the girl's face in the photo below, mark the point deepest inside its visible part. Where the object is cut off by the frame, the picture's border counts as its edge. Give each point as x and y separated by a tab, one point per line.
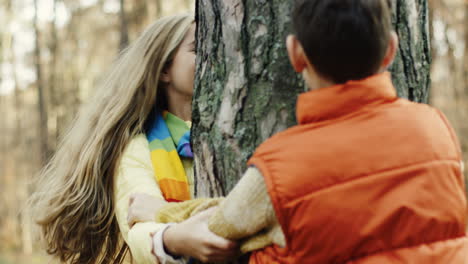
181	73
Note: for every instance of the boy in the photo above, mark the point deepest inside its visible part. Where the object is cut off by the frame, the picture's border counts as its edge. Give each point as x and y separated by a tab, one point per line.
365	177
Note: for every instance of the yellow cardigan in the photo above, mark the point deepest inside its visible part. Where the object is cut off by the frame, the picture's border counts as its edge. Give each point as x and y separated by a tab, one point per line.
135	175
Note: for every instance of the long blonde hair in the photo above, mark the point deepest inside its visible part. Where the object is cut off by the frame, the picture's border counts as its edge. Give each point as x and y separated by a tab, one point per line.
74	201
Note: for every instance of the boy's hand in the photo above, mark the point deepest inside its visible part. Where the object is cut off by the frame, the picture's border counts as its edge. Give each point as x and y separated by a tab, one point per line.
143	208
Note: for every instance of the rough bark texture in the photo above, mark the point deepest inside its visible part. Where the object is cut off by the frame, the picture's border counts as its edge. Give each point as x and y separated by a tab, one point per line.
411	68
245	90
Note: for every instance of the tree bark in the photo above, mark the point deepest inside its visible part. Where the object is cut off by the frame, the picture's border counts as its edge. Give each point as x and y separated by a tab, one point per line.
245	90
411	69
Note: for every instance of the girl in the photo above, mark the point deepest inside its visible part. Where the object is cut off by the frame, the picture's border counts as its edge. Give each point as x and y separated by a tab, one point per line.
130	131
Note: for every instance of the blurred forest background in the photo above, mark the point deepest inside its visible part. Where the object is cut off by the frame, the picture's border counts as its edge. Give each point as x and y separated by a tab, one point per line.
52	52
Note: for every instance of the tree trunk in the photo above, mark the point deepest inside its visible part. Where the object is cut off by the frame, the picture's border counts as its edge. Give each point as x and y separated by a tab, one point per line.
43	128
188	3
245	89
159	8
71	74
54	91
411	69
123	26
21	182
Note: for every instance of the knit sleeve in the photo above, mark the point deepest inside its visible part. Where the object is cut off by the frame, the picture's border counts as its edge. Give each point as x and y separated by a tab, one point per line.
257	226
135	175
247	210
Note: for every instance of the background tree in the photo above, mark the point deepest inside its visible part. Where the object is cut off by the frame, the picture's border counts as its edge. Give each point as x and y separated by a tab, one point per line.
42	108
123	26
246	91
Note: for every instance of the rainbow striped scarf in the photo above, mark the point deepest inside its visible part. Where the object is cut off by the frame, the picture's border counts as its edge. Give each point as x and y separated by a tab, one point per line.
169	139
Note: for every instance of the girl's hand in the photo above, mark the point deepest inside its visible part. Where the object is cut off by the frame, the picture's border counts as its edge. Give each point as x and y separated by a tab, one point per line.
193	238
143	208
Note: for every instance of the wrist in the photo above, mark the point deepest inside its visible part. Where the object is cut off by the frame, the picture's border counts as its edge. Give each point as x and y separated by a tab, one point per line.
169	238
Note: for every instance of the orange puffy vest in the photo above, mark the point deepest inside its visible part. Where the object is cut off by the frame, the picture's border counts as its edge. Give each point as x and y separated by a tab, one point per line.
365	178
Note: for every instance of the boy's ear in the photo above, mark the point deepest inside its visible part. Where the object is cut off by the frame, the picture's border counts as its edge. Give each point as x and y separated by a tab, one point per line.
296	54
391	51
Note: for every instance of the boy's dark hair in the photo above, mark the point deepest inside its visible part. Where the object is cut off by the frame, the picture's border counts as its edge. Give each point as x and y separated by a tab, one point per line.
343	39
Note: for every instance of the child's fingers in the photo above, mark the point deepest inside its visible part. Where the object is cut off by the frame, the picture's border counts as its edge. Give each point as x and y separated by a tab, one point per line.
220	243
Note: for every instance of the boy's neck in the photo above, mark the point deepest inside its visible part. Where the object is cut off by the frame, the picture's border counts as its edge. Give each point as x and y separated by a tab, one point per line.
314	82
